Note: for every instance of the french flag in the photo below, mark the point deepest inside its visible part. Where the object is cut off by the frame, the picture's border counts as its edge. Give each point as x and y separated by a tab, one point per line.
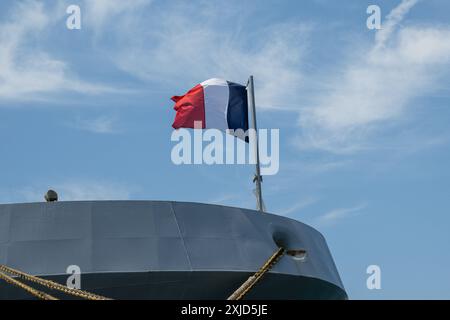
217	103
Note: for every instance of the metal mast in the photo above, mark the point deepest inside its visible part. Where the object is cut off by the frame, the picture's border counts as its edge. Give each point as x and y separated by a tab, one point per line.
258	177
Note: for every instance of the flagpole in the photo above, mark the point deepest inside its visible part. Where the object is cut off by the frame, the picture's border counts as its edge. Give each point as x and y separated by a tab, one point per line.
258	177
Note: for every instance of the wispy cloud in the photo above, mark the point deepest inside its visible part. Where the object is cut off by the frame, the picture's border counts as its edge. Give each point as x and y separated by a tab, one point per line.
222	199
233	200
333	216
296	207
106	124
70	190
375	85
316	166
392	20
26	69
101	15
190	44
379	86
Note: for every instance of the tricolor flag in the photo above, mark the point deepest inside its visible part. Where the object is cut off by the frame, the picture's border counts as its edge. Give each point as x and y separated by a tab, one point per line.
217	103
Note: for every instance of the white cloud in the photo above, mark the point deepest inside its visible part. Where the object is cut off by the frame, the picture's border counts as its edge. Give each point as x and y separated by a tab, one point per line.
25	69
315	167
297	206
379	86
103	124
189	45
103	14
335	215
392	20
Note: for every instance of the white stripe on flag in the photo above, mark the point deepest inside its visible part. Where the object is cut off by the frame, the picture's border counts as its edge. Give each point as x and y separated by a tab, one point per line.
216	95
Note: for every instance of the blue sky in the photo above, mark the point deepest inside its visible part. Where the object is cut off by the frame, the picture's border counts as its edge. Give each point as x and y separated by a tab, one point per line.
363	117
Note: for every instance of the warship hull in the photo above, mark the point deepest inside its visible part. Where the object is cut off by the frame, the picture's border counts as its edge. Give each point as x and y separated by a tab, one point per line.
164	250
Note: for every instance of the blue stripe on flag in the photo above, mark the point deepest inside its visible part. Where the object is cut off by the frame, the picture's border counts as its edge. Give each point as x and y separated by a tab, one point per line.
237	116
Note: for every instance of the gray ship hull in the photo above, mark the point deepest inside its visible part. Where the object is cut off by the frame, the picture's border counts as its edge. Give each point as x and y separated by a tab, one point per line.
164	250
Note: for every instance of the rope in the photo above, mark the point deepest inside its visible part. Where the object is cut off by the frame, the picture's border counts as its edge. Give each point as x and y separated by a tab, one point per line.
253	280
38	294
237	295
52	285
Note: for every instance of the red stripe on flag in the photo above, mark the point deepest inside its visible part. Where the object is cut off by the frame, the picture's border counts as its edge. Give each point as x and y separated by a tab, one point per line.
189	108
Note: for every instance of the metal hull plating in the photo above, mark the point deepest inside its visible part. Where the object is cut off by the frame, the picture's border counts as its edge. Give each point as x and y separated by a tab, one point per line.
164	250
